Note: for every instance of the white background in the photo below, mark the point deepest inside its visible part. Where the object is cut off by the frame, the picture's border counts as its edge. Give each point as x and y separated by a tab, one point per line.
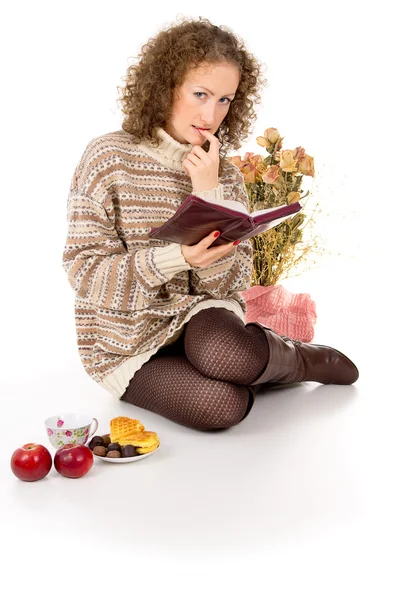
276	505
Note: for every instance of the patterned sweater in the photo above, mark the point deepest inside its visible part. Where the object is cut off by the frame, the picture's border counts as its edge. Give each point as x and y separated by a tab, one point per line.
133	294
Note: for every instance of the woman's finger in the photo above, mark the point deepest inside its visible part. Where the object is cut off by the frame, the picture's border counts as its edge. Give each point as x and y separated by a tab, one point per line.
198	151
195	160
214	149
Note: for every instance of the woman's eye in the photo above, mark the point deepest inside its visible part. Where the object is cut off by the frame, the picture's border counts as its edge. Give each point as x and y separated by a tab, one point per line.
198	94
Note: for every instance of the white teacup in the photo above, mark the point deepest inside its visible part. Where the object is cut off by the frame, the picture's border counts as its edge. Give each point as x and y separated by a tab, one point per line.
71	428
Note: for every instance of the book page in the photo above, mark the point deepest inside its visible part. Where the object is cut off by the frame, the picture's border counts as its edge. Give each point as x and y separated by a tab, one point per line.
232	204
238	206
264	211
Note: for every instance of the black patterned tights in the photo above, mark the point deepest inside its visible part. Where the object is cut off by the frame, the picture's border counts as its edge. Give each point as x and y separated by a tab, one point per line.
202	379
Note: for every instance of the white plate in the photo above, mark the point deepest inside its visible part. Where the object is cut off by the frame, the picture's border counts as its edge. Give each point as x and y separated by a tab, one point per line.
127	459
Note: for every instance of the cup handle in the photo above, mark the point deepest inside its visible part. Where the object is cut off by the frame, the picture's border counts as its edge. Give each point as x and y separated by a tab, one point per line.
95	424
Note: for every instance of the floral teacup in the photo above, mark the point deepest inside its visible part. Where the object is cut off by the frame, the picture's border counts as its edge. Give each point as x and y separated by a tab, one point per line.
72	428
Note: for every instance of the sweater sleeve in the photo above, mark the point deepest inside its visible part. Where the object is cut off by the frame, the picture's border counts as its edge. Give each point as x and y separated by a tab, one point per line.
216	193
99	267
232	273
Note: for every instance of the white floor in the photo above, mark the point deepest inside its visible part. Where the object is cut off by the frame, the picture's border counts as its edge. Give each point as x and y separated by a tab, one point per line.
300	498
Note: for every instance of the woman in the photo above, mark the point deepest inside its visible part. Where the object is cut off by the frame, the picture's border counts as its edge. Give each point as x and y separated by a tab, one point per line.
162	325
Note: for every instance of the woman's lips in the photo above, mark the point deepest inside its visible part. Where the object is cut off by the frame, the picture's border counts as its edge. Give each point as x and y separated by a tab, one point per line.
201	128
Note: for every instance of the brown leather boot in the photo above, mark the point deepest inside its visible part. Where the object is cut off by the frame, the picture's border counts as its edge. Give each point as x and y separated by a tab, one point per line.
291	361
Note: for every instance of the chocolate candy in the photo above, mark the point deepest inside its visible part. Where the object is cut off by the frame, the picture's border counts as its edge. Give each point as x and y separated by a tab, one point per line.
128	451
107	440
114	446
99	450
96	441
113	454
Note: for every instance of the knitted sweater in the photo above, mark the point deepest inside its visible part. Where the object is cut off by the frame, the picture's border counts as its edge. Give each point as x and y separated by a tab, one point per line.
133	294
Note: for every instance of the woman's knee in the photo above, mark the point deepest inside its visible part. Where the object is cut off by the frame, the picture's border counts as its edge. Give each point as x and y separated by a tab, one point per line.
221	346
212	330
229	407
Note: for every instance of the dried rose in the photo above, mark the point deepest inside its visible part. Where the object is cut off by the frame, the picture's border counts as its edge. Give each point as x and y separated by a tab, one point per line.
306	166
287	162
249	173
299	153
236	160
272	174
270	139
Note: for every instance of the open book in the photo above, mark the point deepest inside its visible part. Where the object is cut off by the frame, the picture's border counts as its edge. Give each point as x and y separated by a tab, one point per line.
196	218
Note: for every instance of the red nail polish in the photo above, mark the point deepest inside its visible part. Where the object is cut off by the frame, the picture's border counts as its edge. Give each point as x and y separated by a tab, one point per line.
217	234
236	243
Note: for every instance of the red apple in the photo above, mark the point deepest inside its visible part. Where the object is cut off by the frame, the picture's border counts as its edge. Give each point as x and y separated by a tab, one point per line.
31	462
73	460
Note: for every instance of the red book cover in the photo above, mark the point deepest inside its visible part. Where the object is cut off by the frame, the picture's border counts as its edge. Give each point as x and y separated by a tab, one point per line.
196	218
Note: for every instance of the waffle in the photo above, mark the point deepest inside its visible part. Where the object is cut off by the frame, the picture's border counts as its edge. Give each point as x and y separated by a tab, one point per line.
142	440
124	427
148	449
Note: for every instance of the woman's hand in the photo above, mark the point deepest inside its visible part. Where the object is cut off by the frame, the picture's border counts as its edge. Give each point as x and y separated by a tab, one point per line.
202	166
200	255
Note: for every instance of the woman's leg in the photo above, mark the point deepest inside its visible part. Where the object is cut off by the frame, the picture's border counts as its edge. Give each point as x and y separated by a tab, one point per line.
171	386
220	345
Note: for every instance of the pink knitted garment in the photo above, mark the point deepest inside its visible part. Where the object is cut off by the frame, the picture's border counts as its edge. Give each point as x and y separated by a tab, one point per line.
293	315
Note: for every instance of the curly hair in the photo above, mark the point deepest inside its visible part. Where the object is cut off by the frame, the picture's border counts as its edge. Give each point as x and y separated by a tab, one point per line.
165	61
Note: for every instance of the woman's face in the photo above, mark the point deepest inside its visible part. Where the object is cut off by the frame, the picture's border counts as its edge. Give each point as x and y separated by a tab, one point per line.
202	101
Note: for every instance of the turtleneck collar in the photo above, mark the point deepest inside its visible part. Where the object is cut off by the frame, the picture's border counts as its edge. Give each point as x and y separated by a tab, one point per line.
169	152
